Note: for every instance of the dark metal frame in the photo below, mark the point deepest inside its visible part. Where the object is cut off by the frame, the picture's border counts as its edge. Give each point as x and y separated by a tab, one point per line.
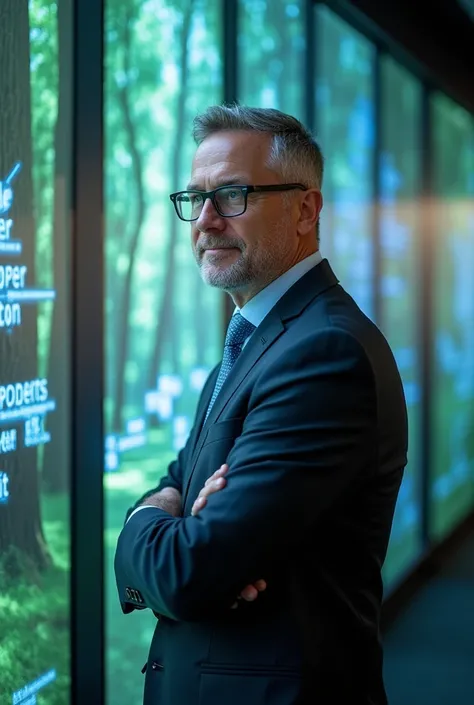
230	19
87	559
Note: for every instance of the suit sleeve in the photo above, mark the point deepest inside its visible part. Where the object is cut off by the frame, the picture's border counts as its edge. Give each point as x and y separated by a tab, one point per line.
310	432
173	478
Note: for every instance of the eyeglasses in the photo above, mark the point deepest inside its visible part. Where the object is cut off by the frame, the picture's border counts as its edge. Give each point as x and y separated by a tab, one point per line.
229	201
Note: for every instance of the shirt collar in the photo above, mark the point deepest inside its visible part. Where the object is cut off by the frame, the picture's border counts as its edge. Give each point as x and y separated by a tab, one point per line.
260	305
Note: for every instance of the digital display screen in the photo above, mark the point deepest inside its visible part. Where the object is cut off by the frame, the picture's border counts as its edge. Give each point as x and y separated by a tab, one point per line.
452	432
272	46
345	112
34	360
400	287
164	326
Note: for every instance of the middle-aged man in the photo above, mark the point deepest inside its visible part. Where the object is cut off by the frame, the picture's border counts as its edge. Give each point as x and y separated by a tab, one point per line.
261	550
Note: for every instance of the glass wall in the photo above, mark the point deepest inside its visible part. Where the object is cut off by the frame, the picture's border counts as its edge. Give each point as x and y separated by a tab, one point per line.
400	284
452	433
163	325
272	55
35	420
345	114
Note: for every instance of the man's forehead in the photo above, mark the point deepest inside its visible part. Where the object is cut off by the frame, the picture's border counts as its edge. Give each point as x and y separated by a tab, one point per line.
234	156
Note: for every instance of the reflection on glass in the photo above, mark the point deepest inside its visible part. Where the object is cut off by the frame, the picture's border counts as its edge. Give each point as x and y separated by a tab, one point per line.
452	433
163	324
345	118
400	211
271	42
35	147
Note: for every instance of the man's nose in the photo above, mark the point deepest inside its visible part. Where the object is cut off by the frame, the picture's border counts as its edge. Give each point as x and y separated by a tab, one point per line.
209	217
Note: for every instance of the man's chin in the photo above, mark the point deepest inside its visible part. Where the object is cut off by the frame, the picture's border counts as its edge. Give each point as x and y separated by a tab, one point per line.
226	280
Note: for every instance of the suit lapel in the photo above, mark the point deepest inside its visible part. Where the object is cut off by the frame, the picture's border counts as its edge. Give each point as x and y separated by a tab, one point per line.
262	338
291	305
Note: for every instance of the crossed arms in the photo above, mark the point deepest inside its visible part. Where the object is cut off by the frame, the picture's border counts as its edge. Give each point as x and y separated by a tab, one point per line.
306	438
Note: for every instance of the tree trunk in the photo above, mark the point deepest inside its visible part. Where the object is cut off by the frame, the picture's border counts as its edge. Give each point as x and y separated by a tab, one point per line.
124	311
56	459
164	316
21	533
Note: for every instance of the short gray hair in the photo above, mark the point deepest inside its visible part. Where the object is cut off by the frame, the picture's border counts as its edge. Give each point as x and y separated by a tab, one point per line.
294	153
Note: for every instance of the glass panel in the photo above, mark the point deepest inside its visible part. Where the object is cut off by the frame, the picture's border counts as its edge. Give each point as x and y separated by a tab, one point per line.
345	130
163	324
452	433
272	46
35	154
400	221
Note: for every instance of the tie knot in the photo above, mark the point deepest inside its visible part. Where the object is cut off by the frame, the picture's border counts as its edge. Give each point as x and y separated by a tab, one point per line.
239	329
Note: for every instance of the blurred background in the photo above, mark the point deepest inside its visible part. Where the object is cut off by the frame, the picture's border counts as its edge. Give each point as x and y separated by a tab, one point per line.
100	99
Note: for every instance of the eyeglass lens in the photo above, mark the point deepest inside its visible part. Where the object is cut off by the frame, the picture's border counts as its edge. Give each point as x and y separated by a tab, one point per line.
229	201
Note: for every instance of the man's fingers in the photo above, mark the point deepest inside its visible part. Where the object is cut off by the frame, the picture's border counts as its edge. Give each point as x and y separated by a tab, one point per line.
249	593
198	505
218	473
213	484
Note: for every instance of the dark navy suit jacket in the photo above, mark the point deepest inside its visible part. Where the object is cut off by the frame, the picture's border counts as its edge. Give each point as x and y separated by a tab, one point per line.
312	422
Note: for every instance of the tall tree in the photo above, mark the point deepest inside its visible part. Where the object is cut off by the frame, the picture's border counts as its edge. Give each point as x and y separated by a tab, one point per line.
278	17
165	311
56	463
20	518
128	17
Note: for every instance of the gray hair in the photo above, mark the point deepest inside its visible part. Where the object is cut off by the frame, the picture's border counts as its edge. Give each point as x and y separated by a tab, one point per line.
294	153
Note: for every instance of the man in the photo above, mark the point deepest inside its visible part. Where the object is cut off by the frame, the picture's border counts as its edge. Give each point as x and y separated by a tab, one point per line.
307	416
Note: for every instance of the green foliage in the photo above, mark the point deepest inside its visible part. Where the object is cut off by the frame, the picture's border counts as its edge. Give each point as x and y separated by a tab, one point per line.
129	636
273	50
34	613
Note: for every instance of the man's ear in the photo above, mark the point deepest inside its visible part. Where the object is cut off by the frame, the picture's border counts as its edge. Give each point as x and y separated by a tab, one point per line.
310	208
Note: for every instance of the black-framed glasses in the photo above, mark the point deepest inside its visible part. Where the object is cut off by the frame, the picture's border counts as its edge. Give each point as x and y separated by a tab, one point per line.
229	201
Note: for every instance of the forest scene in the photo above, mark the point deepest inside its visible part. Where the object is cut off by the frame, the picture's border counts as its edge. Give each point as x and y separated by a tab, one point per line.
34	521
164	327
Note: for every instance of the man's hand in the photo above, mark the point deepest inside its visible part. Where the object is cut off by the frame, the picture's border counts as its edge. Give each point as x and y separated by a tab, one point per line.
213	484
168	499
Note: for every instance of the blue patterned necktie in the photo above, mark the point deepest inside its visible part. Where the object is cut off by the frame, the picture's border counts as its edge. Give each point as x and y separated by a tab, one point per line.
238	331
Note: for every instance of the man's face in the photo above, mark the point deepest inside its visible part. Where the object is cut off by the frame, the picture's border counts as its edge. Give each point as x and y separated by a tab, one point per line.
246	252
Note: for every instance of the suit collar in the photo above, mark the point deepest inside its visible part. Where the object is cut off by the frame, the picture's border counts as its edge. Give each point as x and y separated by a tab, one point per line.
311	285
262	303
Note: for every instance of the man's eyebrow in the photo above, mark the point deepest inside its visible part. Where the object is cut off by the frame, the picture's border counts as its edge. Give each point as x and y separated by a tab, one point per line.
233	180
